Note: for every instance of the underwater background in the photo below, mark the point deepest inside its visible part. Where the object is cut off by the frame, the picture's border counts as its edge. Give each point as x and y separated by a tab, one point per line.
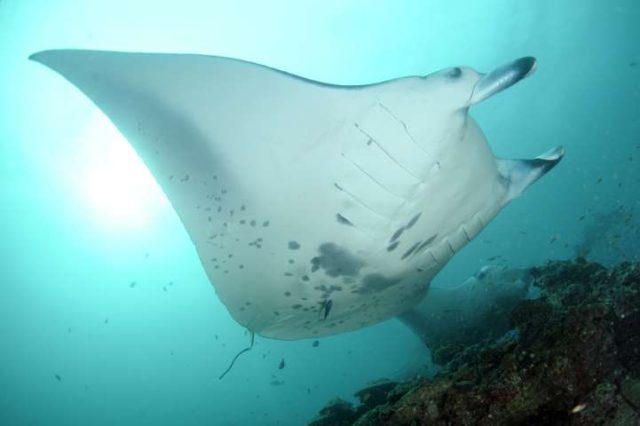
107	317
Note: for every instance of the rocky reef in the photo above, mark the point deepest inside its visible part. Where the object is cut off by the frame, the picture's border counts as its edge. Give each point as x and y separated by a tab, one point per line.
572	357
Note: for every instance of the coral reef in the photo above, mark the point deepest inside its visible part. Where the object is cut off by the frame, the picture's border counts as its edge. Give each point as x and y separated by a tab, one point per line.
450	319
573	357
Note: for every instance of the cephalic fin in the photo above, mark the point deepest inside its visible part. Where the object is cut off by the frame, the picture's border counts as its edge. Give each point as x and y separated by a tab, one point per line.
518	175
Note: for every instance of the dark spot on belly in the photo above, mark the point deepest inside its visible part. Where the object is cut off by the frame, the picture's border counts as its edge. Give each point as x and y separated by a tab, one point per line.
294	245
343	220
426	243
412	221
396	234
410	251
336	261
393	246
315	264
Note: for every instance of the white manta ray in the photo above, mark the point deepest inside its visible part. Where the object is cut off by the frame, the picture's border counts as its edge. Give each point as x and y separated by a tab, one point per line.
315	209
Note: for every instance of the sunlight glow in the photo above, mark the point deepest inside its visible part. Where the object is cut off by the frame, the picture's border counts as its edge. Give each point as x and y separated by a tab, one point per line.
114	180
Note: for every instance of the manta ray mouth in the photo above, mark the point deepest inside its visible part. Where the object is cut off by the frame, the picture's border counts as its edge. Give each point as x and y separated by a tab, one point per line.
501	78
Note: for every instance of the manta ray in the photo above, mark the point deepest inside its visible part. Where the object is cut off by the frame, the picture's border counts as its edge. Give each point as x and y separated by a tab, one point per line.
314	208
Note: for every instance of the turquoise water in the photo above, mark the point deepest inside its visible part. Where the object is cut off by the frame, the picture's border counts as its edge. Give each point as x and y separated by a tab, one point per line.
106	316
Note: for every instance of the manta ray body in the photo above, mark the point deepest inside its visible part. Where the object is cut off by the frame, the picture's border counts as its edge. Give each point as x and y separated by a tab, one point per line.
314	208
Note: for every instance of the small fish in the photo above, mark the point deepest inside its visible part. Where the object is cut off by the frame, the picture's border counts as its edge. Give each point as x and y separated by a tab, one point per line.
132	284
106	320
581	218
599	180
552	240
276	382
315	344
58	378
281	365
308	391
578	408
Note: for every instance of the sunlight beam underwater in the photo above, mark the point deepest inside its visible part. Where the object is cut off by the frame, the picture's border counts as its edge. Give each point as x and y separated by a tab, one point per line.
315	209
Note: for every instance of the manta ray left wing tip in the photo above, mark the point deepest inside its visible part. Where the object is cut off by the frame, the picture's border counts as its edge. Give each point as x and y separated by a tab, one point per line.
48	58
37	57
43	55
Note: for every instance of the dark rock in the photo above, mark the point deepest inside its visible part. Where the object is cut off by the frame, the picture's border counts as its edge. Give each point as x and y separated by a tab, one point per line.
572	358
375	394
337	413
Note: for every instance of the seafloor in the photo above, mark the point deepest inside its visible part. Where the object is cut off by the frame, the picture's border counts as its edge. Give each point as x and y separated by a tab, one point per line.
571	358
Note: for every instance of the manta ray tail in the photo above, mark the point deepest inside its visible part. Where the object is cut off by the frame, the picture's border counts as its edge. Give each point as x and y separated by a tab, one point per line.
247	349
518	175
